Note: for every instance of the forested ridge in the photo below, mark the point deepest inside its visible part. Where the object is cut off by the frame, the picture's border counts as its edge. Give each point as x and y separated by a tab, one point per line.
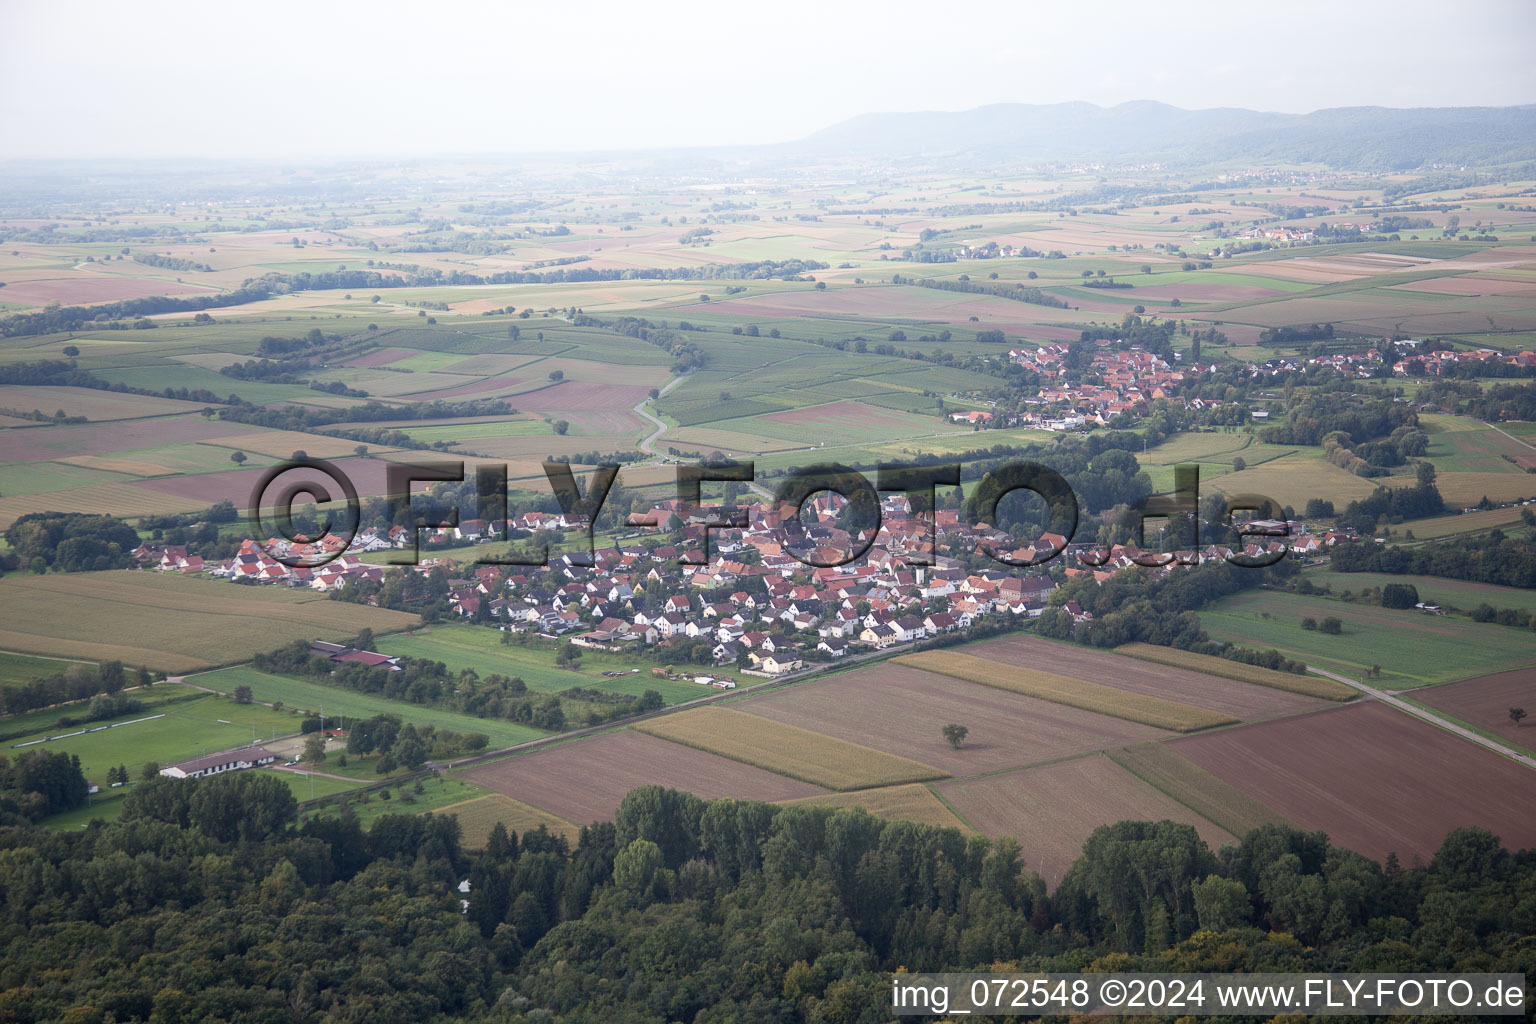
209	902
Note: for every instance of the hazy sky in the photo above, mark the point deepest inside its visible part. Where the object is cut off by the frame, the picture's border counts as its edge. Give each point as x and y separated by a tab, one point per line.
280	79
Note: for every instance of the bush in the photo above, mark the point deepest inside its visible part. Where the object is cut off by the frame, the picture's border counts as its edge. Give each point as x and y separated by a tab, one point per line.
1332	625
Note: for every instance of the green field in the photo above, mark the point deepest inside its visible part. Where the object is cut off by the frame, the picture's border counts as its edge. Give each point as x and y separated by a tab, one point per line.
1412	648
461	647
1432	589
16	669
188	730
438	791
315	697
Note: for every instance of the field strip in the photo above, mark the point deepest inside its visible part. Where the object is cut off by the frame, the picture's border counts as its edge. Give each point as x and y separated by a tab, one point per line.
479	815
87	650
1308	686
912	802
1077	693
1163	768
787	749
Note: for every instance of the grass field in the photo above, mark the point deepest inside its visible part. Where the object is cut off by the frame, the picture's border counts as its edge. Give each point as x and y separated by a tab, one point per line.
23	668
479	648
313	697
1413	649
1161	767
437	791
913	802
1077	693
173	624
1311	686
787	749
1449	593
478	816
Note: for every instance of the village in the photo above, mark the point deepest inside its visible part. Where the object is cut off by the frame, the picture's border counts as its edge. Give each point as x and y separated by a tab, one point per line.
719	585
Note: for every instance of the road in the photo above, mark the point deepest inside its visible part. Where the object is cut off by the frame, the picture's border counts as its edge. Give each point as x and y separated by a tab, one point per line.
661	428
1429	716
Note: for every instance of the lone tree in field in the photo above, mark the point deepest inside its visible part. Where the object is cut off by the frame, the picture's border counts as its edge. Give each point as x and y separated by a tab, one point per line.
238	458
242	695
955	734
1332	625
314	748
1517	715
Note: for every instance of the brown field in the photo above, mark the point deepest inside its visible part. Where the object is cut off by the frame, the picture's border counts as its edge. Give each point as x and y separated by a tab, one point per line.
479	816
1221	695
83	288
367	475
787	749
173	624
584	781
1485	702
90	403
380	357
1307	686
1163	768
914	802
1375	779
541	446
901	710
40	443
596	409
1077	693
487	364
1052	808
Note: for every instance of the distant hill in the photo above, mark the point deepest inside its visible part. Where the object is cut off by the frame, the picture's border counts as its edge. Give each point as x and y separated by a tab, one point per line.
1362	138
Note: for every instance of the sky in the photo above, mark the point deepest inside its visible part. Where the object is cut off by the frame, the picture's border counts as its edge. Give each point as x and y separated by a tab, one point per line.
285	80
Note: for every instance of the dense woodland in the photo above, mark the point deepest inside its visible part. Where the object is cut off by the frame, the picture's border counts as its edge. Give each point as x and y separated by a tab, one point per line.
210	902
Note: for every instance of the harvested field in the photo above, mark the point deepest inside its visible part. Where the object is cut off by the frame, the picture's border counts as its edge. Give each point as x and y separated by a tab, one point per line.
169	627
126	466
786	749
914	802
1468	489
1484	703
1376	780
901	710
479	816
1053	808
1220	695
1292	479
39	444
600	409
81	289
584	781
367	475
1307	686
380	357
90	403
1077	693
1163	768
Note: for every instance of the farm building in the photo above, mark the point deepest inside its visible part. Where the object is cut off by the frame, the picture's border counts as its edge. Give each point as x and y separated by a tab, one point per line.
224	761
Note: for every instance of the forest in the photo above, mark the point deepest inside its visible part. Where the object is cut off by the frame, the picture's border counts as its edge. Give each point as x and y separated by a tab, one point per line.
210	901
